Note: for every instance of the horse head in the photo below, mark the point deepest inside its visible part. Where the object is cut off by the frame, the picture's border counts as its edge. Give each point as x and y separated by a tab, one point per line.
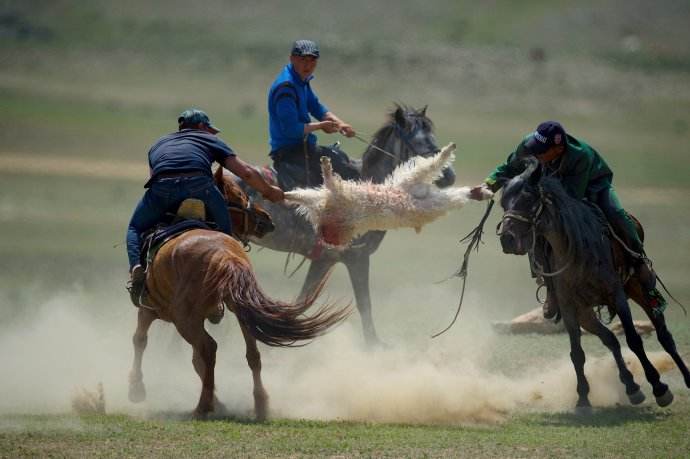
522	206
408	133
249	218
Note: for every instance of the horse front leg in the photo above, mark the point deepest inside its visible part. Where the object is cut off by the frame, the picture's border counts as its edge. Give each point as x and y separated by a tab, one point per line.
577	356
590	323
317	271
137	389
661	391
254	362
204	360
358	269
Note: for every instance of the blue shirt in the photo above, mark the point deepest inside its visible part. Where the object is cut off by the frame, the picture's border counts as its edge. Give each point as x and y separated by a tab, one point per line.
186	151
291	101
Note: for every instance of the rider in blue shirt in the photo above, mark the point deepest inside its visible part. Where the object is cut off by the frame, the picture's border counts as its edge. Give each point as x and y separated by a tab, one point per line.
291	105
180	167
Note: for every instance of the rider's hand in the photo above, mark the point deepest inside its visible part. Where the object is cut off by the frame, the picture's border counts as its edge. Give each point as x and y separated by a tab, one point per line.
480	192
274	194
346	130
329	127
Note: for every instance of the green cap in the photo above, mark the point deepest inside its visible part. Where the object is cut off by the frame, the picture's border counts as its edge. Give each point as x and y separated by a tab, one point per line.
192	117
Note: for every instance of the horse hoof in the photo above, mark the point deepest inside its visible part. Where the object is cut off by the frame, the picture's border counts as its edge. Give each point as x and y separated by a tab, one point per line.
637	397
665	399
137	392
199	415
583	410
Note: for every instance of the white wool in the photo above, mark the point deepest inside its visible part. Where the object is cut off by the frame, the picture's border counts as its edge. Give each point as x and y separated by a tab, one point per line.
407	199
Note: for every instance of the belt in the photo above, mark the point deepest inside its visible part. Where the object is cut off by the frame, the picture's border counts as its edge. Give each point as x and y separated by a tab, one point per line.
180	174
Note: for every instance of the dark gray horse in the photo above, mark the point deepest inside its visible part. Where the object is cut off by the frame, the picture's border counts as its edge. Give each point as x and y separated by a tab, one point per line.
407	133
570	243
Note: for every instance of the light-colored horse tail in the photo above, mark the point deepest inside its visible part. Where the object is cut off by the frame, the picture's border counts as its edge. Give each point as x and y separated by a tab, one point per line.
273	322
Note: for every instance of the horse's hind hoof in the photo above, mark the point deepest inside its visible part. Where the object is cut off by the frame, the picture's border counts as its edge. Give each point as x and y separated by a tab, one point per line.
137	392
637	397
583	411
665	399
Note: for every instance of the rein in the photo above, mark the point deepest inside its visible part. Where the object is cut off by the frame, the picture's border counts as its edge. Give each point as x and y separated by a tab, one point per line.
405	137
474	237
370	144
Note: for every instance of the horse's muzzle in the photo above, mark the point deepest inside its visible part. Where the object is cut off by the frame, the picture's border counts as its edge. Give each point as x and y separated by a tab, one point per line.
512	245
447	179
263	226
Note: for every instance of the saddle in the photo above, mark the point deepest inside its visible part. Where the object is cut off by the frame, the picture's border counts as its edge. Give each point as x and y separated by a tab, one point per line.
190	215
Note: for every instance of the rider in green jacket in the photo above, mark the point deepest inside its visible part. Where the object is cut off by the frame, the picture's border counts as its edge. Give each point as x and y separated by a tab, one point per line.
585	175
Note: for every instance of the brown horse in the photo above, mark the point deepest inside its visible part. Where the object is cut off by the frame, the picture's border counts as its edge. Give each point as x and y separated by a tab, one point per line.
191	278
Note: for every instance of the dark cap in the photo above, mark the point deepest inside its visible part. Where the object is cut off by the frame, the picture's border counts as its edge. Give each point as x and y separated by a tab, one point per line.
547	135
192	117
305	48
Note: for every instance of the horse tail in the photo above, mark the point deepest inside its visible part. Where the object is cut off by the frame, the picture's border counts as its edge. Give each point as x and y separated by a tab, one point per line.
273	322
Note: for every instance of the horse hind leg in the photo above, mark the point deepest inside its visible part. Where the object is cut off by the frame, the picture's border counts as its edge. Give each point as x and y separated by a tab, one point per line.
661	391
662	332
137	389
254	362
204	360
358	269
590	323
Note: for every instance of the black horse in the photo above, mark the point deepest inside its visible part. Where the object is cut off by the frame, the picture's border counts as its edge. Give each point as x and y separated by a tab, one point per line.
570	243
407	133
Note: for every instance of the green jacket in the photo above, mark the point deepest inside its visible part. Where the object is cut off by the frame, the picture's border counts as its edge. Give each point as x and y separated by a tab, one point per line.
581	170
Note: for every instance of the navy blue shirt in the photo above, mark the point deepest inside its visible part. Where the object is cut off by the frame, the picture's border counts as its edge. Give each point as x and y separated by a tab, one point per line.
186	151
291	101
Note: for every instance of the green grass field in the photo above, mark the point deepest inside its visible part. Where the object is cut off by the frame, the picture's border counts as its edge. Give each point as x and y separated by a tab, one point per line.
86	87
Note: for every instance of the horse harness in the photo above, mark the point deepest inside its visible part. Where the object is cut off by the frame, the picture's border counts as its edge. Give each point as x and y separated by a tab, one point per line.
532	219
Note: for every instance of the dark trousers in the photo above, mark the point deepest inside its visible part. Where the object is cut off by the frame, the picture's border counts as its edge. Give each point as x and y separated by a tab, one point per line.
299	170
607	201
166	195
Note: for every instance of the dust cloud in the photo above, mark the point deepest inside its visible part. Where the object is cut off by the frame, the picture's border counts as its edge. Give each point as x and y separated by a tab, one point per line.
63	349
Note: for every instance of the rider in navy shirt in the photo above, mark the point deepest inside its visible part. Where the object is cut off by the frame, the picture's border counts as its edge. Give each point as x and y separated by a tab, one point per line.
291	105
180	165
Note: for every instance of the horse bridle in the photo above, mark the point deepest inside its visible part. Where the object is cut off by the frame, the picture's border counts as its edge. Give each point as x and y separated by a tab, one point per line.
406	139
532	219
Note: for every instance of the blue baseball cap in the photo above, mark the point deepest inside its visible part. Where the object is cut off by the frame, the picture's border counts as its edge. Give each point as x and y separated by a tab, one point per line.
192	117
305	48
548	134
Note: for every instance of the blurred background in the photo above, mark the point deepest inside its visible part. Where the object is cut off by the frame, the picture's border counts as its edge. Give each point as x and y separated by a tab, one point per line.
87	86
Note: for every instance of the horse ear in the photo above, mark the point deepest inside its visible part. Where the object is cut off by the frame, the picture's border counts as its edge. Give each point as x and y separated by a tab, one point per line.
423	110
399	116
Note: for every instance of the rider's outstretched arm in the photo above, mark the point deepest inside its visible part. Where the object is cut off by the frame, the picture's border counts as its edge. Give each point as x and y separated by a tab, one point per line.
253	178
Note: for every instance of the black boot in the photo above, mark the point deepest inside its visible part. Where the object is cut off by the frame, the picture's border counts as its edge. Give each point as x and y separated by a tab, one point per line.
135	285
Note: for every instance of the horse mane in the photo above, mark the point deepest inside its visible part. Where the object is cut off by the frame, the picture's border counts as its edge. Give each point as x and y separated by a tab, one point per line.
415	119
582	225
